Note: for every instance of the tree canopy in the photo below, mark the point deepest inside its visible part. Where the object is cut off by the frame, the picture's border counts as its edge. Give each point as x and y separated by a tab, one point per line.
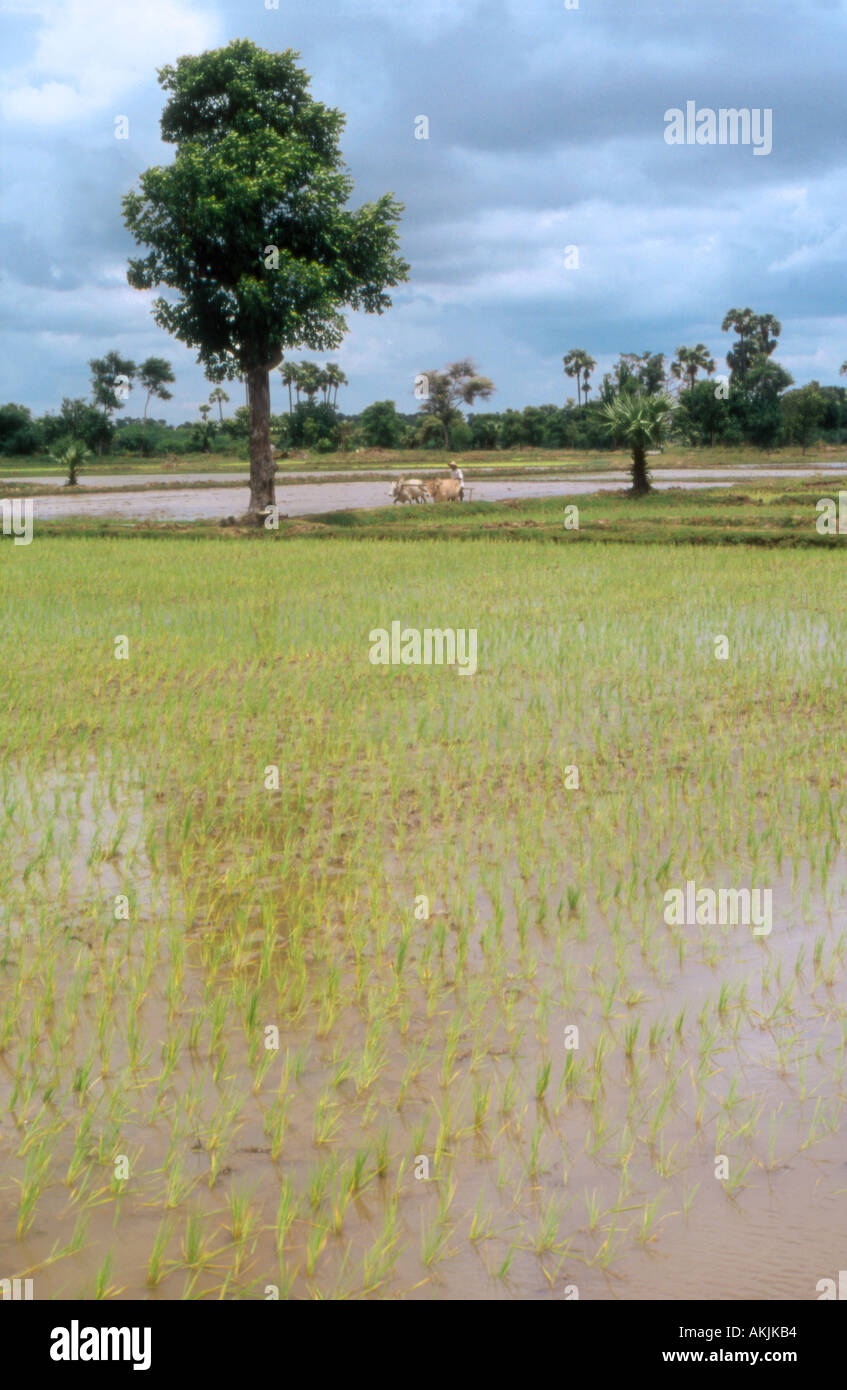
249	225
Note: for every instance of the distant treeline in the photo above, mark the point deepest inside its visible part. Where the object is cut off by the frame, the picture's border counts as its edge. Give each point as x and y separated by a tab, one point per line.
800	417
754	403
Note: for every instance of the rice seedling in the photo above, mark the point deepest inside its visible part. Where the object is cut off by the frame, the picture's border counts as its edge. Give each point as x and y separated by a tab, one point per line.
156	1261
315	1245
542	1079
736	1177
195	1251
291	907
548	1228
320	1178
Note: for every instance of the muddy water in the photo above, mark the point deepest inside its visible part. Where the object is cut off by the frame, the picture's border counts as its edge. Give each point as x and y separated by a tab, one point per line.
303	499
81	836
126	480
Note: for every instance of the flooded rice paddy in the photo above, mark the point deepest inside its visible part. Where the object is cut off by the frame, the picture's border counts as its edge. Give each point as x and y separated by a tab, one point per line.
326	979
307	498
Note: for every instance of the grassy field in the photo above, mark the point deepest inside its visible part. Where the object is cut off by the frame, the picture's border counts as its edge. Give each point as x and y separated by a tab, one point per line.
519	461
329	979
768	512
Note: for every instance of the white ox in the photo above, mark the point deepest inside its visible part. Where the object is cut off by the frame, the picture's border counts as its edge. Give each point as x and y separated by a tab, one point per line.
409	490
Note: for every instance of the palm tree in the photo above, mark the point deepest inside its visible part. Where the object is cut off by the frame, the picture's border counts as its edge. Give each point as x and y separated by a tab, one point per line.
588	365
572	362
641	422
289	371
690	361
309	382
324	381
337	378
579	364
72	457
218	396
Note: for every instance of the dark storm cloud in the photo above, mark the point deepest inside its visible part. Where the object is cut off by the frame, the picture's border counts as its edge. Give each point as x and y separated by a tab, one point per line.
546	130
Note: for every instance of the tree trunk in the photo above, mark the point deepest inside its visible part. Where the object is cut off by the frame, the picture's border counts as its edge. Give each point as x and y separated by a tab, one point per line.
262	466
446	429
640	480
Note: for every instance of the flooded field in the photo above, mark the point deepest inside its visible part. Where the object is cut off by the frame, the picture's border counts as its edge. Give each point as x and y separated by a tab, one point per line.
321	978
306	498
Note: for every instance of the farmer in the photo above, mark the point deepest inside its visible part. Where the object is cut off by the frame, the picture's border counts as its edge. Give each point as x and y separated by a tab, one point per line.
459	477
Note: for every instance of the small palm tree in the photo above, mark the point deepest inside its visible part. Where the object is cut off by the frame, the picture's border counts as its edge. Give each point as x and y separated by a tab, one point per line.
642	422
72	457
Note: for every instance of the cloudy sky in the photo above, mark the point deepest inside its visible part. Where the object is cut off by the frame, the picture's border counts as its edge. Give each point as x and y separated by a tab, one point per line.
546	131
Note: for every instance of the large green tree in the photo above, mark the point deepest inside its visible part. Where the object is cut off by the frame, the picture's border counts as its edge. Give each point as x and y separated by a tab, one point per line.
759	401
803	412
703	414
250	226
381	426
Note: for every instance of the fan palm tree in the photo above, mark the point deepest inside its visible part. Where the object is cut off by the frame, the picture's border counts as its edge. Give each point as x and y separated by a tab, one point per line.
588	365
309	382
324	381
572	362
337	378
642	422
72	457
289	371
579	364
690	361
218	396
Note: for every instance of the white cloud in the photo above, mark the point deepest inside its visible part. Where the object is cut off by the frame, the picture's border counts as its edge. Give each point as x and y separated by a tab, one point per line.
90	53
